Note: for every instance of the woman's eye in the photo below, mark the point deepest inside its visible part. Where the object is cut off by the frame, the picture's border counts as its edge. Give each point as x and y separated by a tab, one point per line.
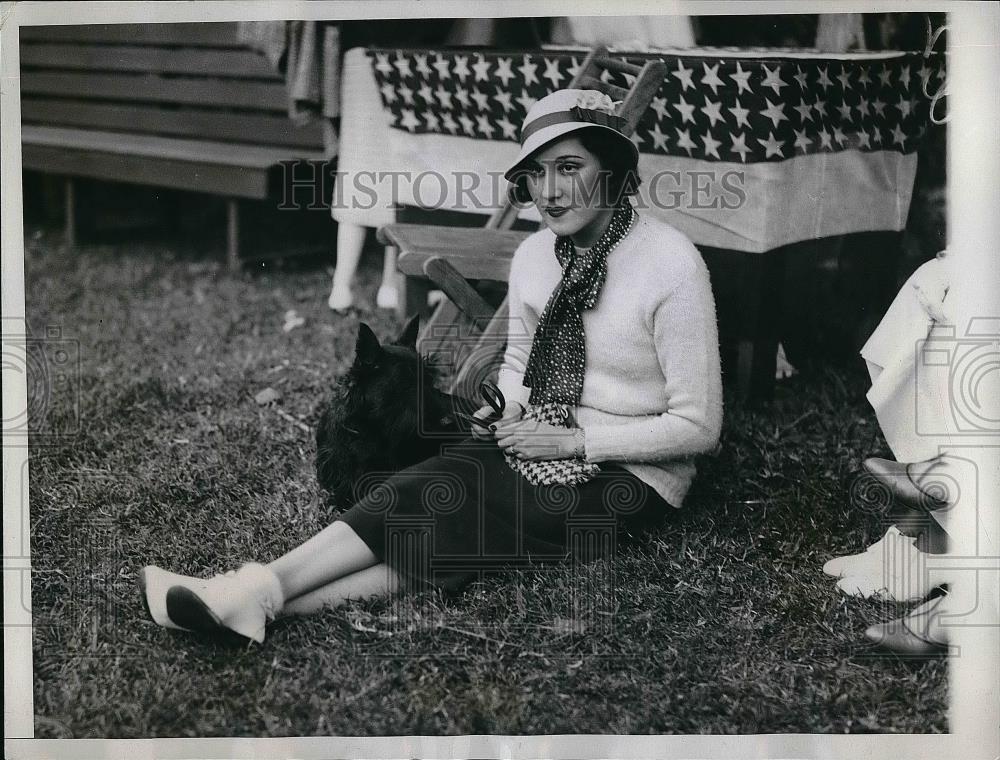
568	168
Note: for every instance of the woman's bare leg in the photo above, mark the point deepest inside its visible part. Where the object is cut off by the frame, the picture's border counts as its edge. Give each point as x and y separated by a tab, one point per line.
377	580
333	553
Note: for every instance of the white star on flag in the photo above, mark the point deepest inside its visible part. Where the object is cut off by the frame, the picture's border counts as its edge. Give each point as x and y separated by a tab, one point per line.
407	94
845	79
467	124
820	106
845	111
410	121
485	127
904	76
711	145
402	65
905	105
462	67
636	138
421	63
739	145
771	146
775	112
801	141
773	79
482	68
574	67
711	77
444	97
481	98
528	70
925	75
629	79
686	110
660	106
382	64
865	76
713	111
864	139
509	129
552	72
504	71
433	123
741	78
824	139
898	136
605	76
839	136
462	96
449	123
800	77
426	93
741	114
862	106
659	138
526	101
885	76
876	136
684	139
805	112
824	78
684	75
388	93
443	67
879	105
503	98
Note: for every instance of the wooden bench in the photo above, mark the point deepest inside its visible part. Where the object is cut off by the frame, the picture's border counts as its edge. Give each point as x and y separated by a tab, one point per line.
182	106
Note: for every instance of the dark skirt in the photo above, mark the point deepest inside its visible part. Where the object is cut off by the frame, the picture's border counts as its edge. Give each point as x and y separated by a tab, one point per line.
464	515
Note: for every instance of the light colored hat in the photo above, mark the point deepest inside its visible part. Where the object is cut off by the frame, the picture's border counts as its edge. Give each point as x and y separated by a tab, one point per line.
565	111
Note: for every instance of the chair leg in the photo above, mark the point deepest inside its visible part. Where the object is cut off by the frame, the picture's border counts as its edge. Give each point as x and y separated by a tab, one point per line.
350	242
70	218
233	235
758	344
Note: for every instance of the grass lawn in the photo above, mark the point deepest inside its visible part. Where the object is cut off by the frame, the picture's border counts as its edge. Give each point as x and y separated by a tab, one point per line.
724	622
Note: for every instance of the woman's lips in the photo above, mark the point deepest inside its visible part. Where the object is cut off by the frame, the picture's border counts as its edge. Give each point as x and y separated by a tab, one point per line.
556	210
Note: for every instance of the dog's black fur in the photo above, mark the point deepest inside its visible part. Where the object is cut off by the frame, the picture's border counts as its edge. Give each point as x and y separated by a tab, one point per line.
384	416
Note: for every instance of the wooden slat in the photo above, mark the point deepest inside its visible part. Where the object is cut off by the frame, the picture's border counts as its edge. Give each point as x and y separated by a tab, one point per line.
476	253
216	34
439	271
241	64
216	179
615	64
193	151
226	126
266	96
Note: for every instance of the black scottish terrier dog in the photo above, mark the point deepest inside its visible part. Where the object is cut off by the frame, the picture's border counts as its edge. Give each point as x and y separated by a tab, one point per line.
385	415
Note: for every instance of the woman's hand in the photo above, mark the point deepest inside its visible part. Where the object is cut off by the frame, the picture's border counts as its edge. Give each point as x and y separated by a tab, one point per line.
512	413
528	439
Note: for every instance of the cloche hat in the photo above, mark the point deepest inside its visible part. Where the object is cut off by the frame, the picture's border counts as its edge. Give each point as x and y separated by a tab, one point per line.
565	111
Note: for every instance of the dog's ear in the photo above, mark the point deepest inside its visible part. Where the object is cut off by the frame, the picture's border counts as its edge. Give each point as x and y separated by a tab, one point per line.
408	338
367	349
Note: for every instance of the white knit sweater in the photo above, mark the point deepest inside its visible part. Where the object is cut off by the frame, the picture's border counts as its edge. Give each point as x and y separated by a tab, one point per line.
652	389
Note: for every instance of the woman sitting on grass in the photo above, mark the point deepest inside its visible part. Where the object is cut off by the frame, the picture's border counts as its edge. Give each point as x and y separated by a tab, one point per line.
620	390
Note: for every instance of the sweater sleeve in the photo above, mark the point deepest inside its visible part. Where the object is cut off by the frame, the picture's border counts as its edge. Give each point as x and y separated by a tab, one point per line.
521	323
687	346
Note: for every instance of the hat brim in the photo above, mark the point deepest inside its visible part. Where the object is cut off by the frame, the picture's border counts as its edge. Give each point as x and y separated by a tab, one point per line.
543	137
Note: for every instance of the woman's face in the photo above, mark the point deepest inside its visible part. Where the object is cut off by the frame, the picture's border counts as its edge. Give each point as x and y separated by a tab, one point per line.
564	181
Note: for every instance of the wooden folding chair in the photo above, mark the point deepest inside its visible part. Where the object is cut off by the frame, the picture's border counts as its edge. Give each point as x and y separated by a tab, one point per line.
465	331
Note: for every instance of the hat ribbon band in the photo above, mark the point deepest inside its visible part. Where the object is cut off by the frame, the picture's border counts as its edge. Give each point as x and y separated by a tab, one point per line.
575	114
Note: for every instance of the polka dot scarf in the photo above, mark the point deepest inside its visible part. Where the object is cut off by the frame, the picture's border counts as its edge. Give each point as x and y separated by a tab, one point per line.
558	351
